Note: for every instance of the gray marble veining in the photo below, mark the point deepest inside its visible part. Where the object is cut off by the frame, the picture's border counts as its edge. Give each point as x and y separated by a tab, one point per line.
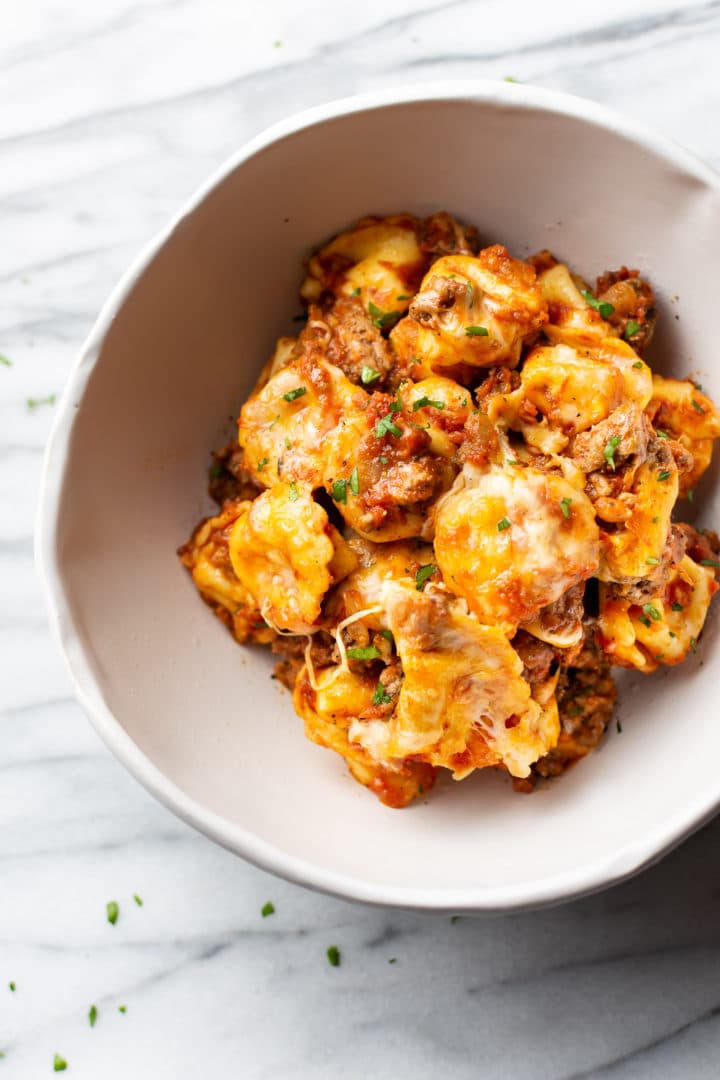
111	114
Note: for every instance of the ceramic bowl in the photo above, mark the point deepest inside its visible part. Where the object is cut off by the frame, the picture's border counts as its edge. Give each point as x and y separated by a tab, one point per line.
196	718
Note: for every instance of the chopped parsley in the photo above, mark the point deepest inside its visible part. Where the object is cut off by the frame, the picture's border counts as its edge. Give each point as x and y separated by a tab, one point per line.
423	401
605	310
653	560
631	328
356	291
333	955
710	562
122	1008
369	375
386	426
12	987
368	652
565	507
691	495
355	481
293	395
664	475
383	319
609	452
423	574
383	460
112	911
638	364
508	78
339	491
261	464
93	1015
4	361
644	620
381	696
662	434
476	331
268	908
404	296
693	644
696	405
59	1063
293	492
652	611
503	524
392	960
388	635
34	403
470	294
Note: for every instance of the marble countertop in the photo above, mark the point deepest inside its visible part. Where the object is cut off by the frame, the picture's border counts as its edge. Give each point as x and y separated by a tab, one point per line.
112	114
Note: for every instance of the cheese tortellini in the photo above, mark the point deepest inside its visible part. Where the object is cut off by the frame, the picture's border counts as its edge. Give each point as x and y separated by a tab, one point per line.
450	506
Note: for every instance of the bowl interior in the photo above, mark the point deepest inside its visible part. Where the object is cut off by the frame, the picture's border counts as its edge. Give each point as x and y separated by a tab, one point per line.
172	370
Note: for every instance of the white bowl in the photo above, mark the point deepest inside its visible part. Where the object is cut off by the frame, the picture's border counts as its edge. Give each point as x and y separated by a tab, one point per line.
174	352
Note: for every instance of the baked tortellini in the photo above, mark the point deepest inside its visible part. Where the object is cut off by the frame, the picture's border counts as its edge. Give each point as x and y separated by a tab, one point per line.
450	507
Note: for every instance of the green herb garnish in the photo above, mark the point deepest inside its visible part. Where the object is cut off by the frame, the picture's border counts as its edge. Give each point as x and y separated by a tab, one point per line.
404	296
638	364
476	331
693	644
122	1008
644	620
333	955
423	574
381	696
34	403
609	452
677	607
112	911
12	987
652	611
339	491
59	1063
602	306
368	652
710	562
385	426
653	560
387	634
423	401
356	291
261	464
664	475
691	495
268	908
662	434
383	319
355	481
369	375
697	405
631	328
293	395
92	1015
503	524
565	507
293	492
4	361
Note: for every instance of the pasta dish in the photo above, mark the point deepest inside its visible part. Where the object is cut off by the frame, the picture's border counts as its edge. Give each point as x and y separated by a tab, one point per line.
451	506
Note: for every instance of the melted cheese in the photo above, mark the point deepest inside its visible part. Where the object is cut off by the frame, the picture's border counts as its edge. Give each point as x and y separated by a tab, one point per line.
663	630
463	683
696	425
629	552
507	574
283	551
380	258
460	296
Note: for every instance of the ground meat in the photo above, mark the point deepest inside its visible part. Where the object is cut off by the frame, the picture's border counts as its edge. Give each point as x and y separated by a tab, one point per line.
683	458
538	657
542	260
355	342
641	590
565	614
499	380
439	294
701	544
227	478
441	235
586	696
291	647
634	302
628	424
480	444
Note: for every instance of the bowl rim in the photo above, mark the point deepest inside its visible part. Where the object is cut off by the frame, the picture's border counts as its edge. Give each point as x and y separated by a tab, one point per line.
559	888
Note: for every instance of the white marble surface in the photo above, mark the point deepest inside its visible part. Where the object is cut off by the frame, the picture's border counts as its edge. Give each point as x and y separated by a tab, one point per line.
111	114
